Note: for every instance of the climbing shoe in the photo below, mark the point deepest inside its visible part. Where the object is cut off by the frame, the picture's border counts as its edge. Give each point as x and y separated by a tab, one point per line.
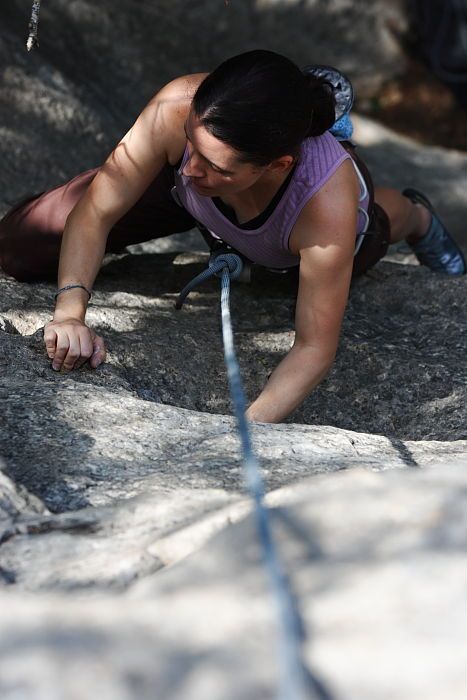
437	249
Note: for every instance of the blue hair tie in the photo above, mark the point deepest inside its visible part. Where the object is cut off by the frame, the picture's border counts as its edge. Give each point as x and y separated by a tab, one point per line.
342	129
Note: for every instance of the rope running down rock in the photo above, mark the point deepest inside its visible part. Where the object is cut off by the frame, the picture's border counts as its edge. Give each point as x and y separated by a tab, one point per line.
297	683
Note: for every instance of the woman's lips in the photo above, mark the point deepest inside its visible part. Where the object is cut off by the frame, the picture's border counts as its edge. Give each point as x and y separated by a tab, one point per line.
200	187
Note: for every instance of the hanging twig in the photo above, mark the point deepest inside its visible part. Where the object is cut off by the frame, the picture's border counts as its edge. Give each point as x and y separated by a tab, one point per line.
32	41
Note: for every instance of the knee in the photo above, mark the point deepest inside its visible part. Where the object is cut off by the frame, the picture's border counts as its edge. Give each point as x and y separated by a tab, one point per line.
12	255
27	251
12	263
26	261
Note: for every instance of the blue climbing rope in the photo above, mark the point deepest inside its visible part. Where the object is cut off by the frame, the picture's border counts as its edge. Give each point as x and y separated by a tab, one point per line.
233	263
296	680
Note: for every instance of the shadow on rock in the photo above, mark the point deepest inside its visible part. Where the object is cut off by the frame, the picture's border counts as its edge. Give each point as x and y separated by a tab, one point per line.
399	369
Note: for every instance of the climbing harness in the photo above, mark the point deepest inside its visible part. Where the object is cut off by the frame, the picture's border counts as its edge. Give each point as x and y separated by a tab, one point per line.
297	683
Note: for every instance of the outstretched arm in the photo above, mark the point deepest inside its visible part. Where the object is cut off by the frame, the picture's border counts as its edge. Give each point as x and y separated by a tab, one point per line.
325	243
157	137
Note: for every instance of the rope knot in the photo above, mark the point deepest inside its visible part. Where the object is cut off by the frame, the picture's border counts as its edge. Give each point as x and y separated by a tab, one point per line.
234	263
217	263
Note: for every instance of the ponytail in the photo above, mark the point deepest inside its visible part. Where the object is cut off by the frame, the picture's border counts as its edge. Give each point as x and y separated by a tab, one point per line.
323	103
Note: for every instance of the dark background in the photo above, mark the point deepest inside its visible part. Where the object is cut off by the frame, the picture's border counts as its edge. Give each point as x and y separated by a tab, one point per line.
64	105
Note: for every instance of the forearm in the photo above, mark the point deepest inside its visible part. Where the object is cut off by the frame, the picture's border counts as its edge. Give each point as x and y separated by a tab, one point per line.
301	370
82	250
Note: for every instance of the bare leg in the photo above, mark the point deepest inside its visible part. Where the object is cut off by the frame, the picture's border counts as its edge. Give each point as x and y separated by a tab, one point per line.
412	218
408	221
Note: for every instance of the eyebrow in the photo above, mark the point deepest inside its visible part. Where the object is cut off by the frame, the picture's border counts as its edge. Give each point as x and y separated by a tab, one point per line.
227	172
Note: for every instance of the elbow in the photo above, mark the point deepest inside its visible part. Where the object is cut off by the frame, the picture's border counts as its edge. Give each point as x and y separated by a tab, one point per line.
323	357
326	365
330	358
316	363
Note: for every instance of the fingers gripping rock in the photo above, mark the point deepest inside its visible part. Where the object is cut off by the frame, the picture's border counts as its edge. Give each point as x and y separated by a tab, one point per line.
70	343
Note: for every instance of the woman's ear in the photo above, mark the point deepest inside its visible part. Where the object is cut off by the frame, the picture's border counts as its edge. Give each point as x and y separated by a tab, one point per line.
281	164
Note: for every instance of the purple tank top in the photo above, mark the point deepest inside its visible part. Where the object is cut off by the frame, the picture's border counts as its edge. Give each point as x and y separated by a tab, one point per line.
268	245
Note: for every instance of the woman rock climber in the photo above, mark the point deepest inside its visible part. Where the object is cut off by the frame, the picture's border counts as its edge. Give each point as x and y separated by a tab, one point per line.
248	150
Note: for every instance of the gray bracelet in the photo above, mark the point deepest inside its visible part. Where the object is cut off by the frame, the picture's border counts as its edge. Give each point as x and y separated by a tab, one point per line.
73	286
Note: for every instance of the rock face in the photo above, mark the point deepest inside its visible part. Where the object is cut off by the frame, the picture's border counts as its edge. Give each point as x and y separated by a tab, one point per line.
376	561
99	63
129	561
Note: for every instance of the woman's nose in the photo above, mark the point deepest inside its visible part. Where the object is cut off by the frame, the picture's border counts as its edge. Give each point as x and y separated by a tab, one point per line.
192	167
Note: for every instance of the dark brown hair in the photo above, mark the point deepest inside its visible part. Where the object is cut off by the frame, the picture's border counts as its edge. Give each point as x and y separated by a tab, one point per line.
262	105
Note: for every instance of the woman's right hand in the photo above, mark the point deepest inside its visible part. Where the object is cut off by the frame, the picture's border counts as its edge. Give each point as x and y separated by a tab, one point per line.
70	343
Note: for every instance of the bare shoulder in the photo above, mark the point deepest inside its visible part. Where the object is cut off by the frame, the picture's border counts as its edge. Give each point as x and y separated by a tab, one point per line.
167	111
183	88
326	227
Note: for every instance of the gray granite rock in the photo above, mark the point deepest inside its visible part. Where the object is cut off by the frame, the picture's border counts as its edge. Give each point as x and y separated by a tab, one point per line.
376	562
399	162
124	486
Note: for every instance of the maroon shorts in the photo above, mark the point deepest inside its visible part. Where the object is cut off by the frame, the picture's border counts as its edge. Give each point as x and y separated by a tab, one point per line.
31	232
